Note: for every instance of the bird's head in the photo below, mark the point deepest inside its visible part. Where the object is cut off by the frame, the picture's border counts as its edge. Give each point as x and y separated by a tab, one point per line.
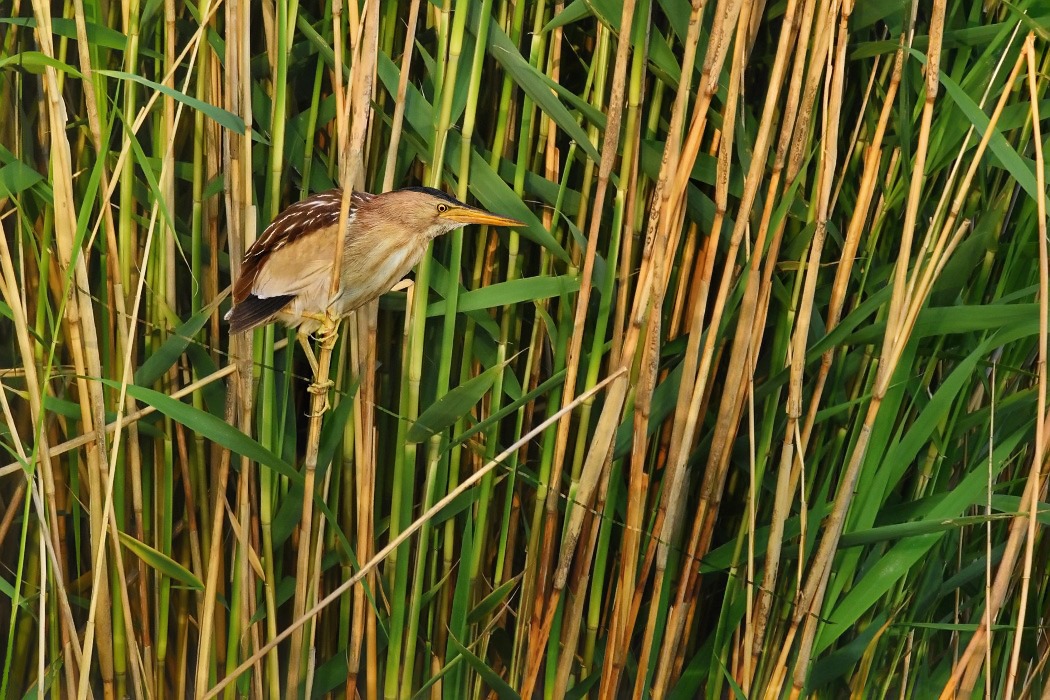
429	213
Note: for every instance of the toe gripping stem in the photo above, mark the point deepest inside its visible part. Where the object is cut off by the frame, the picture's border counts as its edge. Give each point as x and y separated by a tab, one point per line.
327	335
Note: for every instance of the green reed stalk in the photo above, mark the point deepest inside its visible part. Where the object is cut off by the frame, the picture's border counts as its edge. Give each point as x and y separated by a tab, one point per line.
449	540
436	462
199	246
405	463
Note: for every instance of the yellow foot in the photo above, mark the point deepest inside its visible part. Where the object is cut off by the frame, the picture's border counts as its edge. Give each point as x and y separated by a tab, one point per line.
320	389
328	333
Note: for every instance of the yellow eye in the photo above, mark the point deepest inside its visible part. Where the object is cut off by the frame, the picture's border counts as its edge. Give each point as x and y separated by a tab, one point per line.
442	208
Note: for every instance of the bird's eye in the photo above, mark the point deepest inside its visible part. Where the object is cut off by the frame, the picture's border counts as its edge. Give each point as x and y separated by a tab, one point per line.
442	208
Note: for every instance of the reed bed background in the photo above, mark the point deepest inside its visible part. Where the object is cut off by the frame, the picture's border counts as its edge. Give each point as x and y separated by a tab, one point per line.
753	406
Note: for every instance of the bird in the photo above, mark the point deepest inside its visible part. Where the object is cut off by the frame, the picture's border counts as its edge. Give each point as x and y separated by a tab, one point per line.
286	274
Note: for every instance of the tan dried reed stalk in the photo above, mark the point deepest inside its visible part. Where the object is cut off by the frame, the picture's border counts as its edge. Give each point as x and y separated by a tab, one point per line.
237	168
405	534
968	667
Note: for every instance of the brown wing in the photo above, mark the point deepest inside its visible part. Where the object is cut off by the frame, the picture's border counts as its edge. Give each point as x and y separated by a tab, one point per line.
254	311
314	214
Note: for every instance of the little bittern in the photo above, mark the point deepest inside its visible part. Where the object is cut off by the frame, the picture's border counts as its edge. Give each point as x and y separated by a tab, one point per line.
287	273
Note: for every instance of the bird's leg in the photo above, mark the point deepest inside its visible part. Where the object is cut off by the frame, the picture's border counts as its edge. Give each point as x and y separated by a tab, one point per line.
326	336
304	341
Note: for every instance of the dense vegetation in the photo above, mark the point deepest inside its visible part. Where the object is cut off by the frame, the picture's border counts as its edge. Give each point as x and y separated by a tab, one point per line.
755	405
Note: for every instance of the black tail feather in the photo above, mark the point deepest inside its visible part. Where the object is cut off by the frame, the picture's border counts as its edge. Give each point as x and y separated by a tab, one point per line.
254	311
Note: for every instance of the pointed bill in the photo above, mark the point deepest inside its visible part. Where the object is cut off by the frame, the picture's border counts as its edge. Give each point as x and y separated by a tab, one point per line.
469	215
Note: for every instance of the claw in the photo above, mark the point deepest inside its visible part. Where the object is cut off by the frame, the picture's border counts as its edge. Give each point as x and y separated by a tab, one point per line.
323	334
321	389
327	335
321	411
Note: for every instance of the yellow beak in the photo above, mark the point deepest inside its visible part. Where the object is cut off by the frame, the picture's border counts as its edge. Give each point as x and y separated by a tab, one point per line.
471	215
